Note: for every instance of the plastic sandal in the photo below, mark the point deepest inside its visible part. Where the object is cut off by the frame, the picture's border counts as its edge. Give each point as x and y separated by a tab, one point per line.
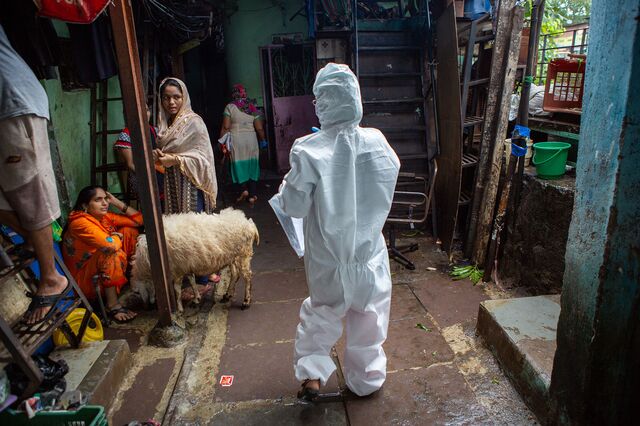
51	300
308	394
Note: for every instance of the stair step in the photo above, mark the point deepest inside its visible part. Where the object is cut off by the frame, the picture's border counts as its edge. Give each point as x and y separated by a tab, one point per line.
391	75
469	160
472	121
109	132
413	156
526	359
32	336
478	82
111	167
379	38
465	198
402	129
387	48
17	267
395	101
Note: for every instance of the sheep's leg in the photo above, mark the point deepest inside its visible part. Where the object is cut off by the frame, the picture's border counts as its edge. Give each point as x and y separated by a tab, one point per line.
194	287
231	289
177	288
247	274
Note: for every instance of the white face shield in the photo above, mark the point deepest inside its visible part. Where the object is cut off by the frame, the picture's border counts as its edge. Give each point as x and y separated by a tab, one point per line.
338	101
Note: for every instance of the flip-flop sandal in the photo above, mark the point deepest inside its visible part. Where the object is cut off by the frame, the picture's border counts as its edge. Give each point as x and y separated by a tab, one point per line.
308	394
252	200
51	300
243	196
111	313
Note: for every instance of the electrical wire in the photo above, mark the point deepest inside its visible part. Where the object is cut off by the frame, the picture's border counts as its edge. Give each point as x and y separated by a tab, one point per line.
184	22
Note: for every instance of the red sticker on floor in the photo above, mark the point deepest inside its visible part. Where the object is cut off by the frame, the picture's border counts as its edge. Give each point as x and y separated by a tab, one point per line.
226	380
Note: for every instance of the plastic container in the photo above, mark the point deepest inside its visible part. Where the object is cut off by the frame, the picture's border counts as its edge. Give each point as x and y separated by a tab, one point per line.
473	9
550	159
564	87
90	415
527	157
93	332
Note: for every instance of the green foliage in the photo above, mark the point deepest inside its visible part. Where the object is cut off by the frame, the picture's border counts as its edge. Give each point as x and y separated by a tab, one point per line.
557	15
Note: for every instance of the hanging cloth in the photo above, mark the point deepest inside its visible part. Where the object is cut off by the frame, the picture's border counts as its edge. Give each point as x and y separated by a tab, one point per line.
78	11
33	38
92	50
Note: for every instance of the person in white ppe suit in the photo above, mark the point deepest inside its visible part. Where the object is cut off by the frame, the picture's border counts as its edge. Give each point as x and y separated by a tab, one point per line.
341	182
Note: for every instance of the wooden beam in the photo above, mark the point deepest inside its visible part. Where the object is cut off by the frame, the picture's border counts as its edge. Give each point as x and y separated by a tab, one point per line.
503	72
133	96
448	183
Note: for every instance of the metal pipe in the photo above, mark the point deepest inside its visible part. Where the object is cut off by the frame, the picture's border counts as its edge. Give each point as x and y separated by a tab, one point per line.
534	34
354	15
432	78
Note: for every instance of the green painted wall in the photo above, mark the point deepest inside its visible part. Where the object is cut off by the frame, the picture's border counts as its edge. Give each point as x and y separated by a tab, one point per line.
70	117
251	26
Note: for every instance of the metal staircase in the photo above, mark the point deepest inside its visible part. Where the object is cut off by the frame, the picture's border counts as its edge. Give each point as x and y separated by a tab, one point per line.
390	71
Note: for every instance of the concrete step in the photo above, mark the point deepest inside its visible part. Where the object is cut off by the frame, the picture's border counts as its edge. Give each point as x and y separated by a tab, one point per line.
521	333
97	369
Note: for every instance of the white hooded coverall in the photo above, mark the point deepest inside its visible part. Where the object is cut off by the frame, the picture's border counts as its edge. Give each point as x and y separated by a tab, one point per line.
341	181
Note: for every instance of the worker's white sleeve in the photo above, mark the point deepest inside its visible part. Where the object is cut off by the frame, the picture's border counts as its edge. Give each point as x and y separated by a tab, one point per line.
296	191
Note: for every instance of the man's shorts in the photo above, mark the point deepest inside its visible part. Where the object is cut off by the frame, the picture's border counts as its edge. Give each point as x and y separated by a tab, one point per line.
27	182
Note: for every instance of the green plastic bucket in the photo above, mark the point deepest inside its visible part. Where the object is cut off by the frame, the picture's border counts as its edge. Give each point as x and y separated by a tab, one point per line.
550	159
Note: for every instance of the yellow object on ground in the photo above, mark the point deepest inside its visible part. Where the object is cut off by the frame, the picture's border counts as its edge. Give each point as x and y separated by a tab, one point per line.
93	333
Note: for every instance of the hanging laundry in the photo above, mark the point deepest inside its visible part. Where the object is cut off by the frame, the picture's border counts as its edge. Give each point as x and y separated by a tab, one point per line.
32	37
92	50
81	12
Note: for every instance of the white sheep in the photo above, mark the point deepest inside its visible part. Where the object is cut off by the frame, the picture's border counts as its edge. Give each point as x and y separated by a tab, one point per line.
200	244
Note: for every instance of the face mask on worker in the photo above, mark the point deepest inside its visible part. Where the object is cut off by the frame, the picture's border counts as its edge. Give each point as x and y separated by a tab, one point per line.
337	92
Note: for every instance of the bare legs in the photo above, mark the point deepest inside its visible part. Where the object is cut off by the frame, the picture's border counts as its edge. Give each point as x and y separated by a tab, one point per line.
51	282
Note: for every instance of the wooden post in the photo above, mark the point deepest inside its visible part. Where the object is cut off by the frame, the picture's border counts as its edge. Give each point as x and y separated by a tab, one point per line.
133	98
494	106
490	162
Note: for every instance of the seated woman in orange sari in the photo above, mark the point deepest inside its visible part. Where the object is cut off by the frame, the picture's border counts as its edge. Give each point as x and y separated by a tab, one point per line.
97	242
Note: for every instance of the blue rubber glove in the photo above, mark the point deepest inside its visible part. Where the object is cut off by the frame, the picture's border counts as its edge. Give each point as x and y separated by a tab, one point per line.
263	144
315	129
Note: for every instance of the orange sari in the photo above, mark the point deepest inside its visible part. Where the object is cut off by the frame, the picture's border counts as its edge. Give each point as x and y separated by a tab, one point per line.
89	248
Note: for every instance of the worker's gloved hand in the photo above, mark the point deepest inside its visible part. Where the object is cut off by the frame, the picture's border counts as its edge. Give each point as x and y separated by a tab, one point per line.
263	144
315	130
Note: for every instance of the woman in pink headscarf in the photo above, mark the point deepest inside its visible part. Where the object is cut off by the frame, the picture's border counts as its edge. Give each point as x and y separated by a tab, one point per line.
245	122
